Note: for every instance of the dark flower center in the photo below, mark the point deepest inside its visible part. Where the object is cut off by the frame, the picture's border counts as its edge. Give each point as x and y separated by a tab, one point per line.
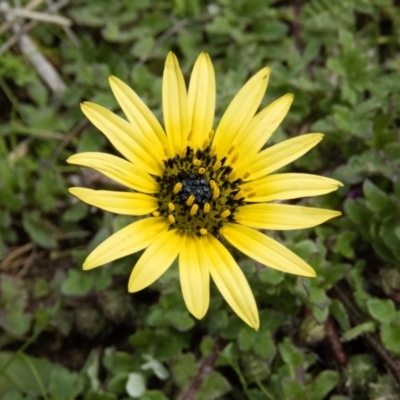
198	191
196	185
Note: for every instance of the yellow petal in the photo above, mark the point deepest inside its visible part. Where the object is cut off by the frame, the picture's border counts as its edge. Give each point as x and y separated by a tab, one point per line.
201	99
240	112
131	144
126	203
288	186
175	105
283	216
231	281
263	125
265	250
128	240
156	259
117	169
277	156
194	275
138	114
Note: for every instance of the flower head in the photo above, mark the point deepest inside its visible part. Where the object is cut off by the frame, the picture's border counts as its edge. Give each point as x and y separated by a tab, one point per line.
200	188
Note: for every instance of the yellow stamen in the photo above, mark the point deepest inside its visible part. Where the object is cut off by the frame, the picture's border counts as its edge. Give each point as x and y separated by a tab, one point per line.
171	207
194	209
225	214
232	176
182	153
190	200
213	150
201	170
206	142
196	162
238	218
216	193
189	136
210	134
240	194
177	188
155	213
251	194
171	218
230	151
248	188
213	184
246	175
166	150
203	231
235	158
217	165
206	208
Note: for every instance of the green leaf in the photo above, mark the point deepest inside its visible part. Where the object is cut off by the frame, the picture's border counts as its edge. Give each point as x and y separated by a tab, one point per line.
390	334
340	313
76	212
353	333
24	372
16	321
90	141
293	390
183	368
117	383
78	283
319	303
377	200
153	395
181	320
213	387
344	244
64	384
39	230
13	301
247	338
290	354
356	210
324	383
265	345
383	311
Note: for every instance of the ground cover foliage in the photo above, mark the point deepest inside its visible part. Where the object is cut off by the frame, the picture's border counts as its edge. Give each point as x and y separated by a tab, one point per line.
68	334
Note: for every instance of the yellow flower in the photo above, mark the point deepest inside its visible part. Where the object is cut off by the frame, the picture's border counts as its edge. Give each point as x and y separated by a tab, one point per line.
201	189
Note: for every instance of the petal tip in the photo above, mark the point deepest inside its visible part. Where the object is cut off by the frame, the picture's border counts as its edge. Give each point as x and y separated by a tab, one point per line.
72	190
267	71
86	266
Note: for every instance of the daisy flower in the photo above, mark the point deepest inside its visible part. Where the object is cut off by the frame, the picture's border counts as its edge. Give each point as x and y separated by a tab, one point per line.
201	189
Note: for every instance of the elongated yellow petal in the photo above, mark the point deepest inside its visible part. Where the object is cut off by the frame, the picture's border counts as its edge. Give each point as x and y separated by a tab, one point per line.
126	203
130	143
231	281
283	216
117	169
277	156
288	186
138	114
156	259
128	240
194	275
263	125
265	250
240	112
175	105
201	99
